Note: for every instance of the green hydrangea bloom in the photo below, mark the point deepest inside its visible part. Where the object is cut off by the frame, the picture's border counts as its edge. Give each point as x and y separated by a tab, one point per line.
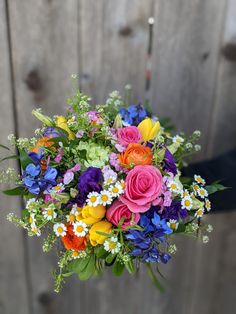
96	155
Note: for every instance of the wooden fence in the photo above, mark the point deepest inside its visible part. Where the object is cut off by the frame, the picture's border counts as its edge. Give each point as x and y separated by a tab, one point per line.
194	78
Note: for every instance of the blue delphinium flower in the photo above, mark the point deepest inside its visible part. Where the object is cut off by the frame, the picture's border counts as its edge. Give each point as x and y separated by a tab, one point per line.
146	242
36	180
133	115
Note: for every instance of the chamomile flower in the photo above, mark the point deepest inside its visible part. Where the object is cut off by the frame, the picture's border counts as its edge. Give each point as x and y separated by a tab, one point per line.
35	230
122	183
195	188
32	205
199	179
208	205
105	198
110	177
174	186
177	139
74	214
80	228
49	212
173	224
60	229
78	254
93	199
185	193
57	189
187	202
112	245
32	219
199	213
202	192
116	189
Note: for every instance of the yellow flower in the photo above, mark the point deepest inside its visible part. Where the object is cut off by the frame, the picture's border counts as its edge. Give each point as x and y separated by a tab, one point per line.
148	129
101	226
62	124
90	215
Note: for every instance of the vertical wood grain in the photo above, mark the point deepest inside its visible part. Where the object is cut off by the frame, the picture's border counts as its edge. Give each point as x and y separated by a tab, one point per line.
45	53
13	272
113	46
223	130
187	38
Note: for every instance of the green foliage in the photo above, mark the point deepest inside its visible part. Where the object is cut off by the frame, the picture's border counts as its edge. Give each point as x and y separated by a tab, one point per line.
24	158
215	187
153	277
130	267
118	268
16	191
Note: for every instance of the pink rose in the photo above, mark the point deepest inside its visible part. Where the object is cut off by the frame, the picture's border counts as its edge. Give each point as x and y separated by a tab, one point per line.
118	210
127	135
143	187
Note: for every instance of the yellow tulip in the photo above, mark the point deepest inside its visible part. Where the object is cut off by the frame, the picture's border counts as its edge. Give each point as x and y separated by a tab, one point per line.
91	215
101	226
148	129
62	124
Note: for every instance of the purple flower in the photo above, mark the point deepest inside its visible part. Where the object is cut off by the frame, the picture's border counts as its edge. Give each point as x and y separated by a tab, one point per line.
169	162
174	211
59	155
133	115
52	132
89	181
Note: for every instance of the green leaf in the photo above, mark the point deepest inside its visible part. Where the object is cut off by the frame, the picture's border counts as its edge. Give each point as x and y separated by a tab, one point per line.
215	187
89	270
9	157
118	268
110	258
24	158
104	234
154	279
130	267
5	147
100	252
16	191
78	265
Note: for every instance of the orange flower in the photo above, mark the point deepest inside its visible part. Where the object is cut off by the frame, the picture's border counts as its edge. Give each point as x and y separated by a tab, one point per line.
136	154
71	241
42	142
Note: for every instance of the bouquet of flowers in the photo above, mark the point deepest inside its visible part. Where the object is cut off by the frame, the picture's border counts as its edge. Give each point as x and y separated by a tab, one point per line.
105	182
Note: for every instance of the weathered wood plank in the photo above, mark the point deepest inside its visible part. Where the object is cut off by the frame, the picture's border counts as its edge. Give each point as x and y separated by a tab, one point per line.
13	271
223	130
186	48
113	45
45	54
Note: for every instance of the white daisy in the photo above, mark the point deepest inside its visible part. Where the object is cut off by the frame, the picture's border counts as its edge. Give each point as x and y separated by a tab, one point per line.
185	193
80	229
32	205
208	205
122	184
199	179
57	189
74	214
49	212
116	189
112	245
177	139
35	230
60	229
174	186
93	199
187	202
199	213
105	198
32	219
173	224
202	192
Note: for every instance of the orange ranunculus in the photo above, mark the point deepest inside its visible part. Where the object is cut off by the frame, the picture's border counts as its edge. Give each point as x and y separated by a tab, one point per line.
136	154
42	142
71	241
